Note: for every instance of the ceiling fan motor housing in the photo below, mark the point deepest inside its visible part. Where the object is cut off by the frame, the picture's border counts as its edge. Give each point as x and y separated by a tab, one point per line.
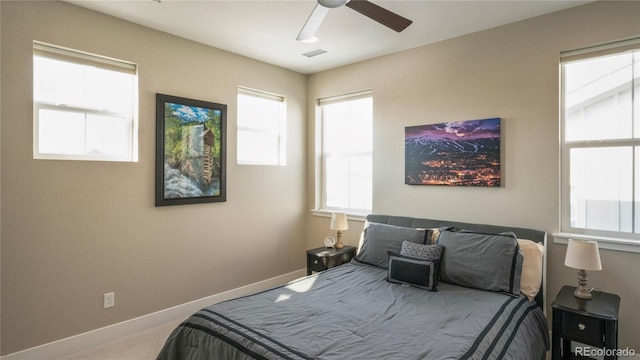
364	7
332	3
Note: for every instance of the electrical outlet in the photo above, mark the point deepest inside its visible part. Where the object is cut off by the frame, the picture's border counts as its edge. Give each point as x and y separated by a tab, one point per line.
109	300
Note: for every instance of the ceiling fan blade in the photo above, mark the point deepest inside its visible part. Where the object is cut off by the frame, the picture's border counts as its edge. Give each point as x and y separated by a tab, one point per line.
313	22
380	14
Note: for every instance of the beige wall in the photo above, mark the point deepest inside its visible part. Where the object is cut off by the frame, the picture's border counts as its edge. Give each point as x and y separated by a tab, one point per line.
509	72
74	230
0	180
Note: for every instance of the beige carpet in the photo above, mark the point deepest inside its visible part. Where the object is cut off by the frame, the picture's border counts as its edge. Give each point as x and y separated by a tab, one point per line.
144	345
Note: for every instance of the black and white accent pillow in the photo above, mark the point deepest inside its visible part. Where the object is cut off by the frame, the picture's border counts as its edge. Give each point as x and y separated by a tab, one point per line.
419	273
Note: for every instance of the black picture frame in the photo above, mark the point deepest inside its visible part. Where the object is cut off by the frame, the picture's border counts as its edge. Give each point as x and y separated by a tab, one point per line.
191	142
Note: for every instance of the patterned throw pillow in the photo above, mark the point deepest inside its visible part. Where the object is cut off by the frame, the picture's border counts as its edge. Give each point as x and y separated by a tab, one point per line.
419	251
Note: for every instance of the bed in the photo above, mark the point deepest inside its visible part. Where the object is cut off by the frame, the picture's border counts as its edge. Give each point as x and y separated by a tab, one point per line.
381	305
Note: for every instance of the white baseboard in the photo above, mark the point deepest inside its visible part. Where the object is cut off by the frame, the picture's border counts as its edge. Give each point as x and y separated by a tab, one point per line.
96	337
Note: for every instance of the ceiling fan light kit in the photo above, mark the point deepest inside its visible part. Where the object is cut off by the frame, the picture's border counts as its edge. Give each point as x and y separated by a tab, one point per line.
332	3
364	7
311	40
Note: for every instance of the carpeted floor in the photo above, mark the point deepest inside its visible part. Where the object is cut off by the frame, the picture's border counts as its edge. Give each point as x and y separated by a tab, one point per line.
144	345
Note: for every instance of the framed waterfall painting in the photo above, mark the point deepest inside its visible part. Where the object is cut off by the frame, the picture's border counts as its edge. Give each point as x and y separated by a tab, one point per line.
461	153
190	151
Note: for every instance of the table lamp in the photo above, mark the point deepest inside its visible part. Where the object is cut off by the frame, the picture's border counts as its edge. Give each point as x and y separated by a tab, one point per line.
339	223
582	255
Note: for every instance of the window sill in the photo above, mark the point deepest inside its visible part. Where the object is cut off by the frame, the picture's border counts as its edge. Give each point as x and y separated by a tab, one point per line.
327	213
603	242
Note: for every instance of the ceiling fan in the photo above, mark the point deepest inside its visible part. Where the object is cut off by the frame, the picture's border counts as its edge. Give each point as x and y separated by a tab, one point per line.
364	7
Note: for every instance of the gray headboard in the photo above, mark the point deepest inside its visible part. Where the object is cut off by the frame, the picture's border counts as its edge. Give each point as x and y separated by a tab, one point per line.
521	233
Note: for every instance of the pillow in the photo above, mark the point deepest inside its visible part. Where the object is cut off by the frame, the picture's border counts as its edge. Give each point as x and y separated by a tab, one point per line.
432	235
483	261
435	232
378	239
420	251
405	270
531	278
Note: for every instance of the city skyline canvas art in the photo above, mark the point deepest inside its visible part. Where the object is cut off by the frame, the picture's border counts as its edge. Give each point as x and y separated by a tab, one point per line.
461	153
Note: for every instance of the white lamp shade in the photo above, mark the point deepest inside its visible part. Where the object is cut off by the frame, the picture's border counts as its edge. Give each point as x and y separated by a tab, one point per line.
583	255
339	221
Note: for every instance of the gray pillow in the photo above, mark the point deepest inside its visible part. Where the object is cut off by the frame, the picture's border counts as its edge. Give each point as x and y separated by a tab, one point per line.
420	273
420	251
483	261
378	239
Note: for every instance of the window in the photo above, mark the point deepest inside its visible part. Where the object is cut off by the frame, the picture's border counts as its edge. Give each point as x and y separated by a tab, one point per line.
261	128
347	147
84	106
601	141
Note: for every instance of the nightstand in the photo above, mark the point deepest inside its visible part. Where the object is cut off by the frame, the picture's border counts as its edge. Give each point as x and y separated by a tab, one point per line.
321	258
591	322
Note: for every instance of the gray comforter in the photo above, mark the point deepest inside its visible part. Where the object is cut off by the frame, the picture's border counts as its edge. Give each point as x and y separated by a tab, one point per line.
352	312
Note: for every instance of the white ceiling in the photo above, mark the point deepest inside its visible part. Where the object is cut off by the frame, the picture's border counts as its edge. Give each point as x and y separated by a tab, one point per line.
266	30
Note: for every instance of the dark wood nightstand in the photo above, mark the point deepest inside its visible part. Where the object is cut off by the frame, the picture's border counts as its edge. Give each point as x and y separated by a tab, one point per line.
592	322
321	258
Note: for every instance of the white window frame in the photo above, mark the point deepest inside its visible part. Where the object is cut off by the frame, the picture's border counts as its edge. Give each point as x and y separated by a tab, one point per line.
83	58
279	134
321	208
607	239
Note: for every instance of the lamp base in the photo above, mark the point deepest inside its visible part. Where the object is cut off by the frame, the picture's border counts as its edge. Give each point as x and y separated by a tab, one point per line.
339	244
582	292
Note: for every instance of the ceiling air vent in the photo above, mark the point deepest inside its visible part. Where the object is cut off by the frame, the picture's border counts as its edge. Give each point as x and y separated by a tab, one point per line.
315	53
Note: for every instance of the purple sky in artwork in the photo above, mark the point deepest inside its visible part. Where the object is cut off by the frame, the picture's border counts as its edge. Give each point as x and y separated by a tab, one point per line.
473	129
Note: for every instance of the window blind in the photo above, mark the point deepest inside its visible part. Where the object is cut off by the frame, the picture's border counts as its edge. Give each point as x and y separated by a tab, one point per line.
591	52
77	57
